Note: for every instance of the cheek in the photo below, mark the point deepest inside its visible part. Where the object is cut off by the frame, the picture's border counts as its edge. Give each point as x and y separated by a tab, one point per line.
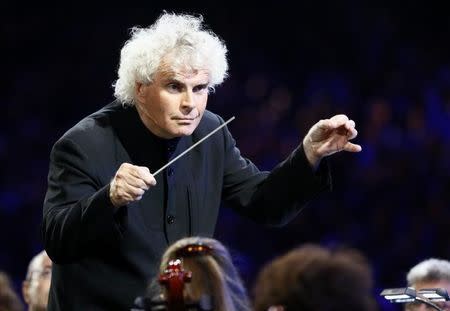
34	292
202	102
157	103
43	287
46	285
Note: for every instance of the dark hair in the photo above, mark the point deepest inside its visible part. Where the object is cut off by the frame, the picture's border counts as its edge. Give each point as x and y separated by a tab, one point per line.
312	278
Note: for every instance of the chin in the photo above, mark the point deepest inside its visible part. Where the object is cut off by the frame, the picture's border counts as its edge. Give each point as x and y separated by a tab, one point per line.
185	133
186	130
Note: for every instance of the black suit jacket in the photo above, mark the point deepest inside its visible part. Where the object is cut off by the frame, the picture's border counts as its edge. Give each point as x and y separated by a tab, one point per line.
103	257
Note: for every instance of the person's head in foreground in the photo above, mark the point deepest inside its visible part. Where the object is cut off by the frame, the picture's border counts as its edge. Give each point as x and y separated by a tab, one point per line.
213	273
430	273
312	278
36	286
9	300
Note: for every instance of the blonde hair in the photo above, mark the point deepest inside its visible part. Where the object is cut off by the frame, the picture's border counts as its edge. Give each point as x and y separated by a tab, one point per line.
177	39
213	273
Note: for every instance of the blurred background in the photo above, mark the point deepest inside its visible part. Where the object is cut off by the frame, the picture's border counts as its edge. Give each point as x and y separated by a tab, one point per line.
385	65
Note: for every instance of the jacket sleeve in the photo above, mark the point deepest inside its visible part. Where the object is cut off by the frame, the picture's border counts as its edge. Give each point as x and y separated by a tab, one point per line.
78	216
272	198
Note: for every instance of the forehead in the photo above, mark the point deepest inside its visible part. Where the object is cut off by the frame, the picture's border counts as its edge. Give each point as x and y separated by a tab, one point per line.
434	284
183	74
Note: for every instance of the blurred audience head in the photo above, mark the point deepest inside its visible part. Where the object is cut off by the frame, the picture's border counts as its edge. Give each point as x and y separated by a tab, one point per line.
213	273
312	278
174	43
430	273
36	286
9	300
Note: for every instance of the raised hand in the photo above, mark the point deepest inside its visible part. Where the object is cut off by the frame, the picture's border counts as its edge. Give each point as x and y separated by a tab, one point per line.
329	136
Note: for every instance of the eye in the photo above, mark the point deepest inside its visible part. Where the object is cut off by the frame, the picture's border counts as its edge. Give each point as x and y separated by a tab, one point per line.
200	88
174	87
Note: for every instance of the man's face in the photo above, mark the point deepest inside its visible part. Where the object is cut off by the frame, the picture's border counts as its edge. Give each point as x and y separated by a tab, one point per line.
173	104
431	284
37	288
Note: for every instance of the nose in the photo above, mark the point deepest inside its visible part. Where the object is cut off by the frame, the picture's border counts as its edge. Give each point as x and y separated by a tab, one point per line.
188	102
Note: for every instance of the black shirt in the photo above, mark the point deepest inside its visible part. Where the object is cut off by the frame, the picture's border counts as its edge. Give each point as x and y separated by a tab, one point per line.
146	149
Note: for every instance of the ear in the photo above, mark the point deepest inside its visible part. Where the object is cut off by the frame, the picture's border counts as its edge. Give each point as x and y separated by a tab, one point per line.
25	289
140	91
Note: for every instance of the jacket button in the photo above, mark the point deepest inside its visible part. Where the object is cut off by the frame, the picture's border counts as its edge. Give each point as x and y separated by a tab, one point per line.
170	149
170	219
170	171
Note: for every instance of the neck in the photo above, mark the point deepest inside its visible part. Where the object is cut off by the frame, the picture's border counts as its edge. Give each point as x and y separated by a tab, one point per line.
149	122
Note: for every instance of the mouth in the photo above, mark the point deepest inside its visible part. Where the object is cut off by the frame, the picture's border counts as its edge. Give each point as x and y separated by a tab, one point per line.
183	119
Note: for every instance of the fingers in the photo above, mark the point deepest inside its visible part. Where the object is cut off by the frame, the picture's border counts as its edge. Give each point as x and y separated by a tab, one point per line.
350	147
324	124
335	122
146	176
342	120
339	120
130	183
329	136
129	193
142	175
352	133
350	124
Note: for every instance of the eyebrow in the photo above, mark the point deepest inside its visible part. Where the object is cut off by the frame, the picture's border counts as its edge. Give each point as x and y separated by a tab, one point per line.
175	80
172	80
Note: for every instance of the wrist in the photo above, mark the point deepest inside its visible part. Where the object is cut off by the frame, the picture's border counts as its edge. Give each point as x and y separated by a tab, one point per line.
310	153
112	198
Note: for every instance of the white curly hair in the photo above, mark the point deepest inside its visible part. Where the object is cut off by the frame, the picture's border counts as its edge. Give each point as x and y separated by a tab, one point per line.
432	269
180	41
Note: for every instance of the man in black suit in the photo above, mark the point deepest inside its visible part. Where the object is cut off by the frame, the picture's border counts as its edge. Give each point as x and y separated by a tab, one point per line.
107	219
